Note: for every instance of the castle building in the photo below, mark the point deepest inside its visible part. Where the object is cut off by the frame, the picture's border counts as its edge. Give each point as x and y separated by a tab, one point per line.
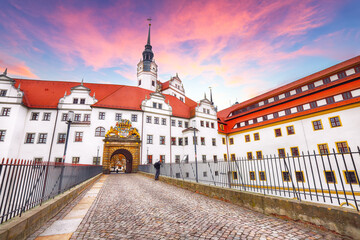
34	117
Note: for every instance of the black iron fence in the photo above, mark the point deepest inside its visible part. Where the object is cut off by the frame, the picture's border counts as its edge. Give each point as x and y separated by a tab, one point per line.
26	184
330	178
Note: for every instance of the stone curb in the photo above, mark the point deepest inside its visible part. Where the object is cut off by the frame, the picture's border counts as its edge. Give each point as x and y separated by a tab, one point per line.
33	219
341	220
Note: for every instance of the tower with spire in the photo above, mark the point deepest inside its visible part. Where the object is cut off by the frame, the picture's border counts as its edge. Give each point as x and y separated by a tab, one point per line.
147	68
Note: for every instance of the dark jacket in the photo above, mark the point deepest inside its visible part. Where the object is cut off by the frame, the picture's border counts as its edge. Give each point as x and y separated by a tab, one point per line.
157	165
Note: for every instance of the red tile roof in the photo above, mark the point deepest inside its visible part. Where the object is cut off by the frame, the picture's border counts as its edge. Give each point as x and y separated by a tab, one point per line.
222	115
46	94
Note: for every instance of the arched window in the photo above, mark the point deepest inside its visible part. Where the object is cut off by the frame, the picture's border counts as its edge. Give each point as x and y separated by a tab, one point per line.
100	132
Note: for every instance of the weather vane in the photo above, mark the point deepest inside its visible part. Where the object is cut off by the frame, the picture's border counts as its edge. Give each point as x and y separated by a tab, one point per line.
149	19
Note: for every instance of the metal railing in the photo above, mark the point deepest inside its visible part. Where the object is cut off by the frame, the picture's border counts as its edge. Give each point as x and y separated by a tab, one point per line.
26	184
329	178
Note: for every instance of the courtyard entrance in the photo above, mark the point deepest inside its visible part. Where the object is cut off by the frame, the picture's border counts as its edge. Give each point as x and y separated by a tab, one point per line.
121	148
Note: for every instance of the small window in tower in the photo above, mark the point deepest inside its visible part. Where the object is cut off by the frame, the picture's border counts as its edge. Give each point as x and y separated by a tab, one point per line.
139	82
153	83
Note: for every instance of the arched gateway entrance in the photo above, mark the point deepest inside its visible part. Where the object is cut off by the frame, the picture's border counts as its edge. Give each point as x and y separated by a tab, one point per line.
122	148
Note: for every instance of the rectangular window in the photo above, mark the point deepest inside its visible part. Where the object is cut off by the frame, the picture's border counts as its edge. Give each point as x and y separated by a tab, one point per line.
233	157
259	155
277	132
223	141
133	117
86	117
290	130
252	175
204	174
313	105
357	69
207	124
30	138
286	176
201	123
159	106
5	112
276	115
311	86
317	125
77	117
276	98
173	123
149	159
212	125
287	94
2	135
225	157
35	116
162	158
234	175
262	176
177	175
330	100
75	160
61	138
294	151
42	138
75	101
153	83
342	147
180	141
163	121
255	120
346	95
265	118
96	160
299	176
187	174
256	136
46	116
186	124
216	173
300	108
287	111
37	160
335	121
323	149
58	160
213	141
247	138
202	139
330	176
298	90
64	117
82	101
173	140
326	80
215	159
149	139
162	140
246	123
102	115
179	123
266	101
177	158
78	136
249	155
186	141
154	105
341	75
118	116
148	119
3	93
231	141
156	120
203	157
351	177
281	152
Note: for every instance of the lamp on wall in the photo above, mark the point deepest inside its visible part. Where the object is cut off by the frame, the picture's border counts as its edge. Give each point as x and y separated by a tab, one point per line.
193	124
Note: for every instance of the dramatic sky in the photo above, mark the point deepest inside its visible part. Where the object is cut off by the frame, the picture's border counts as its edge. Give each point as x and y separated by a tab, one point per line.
239	48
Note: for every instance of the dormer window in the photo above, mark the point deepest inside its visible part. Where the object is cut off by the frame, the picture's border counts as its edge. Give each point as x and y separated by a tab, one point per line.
3	93
207	111
182	99
75	101
82	101
160	106
154	105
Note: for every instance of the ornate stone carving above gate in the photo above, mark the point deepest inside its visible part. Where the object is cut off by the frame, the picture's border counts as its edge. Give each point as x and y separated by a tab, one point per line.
122	136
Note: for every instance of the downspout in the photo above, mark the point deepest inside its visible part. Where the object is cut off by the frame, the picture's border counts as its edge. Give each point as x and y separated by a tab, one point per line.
170	150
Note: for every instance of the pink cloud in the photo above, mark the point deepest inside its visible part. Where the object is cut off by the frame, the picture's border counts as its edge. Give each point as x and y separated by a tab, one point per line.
15	67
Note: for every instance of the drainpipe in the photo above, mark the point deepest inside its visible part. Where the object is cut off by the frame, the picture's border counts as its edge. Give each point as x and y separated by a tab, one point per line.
171	173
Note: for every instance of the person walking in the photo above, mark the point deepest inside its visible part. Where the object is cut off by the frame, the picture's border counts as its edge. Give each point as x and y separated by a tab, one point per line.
157	166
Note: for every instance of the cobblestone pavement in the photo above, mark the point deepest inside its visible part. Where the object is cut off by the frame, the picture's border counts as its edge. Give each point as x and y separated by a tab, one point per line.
131	206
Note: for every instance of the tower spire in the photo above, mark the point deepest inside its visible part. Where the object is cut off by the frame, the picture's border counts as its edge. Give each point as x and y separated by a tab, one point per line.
148	40
148	53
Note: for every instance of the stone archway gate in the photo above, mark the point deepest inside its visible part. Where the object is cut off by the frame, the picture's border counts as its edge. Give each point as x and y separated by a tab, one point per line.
122	139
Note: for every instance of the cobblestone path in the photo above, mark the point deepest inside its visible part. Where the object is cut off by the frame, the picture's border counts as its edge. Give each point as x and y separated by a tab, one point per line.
131	206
